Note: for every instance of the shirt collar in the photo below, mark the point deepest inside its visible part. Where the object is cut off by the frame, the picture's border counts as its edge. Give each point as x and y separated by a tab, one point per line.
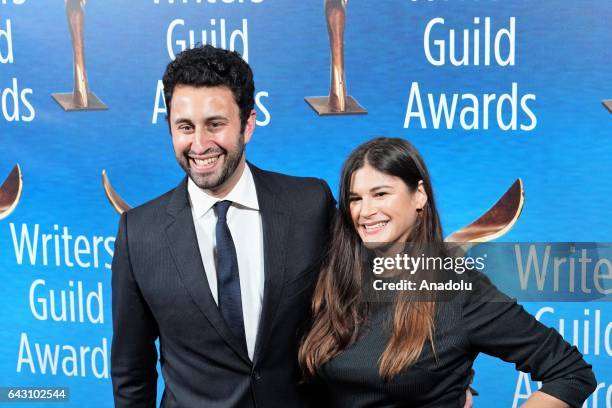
243	194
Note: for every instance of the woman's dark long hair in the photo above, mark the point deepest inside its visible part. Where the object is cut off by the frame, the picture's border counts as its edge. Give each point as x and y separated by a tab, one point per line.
337	304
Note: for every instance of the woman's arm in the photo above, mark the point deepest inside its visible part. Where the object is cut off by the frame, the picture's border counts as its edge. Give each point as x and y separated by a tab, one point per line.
495	324
540	399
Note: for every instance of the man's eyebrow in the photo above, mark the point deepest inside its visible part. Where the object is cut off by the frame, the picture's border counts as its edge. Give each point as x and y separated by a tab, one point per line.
216	117
181	120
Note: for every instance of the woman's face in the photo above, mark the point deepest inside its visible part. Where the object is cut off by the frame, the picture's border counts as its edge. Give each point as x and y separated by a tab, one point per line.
383	208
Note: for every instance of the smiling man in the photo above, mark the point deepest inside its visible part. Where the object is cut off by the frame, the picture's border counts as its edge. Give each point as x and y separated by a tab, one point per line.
220	269
214	163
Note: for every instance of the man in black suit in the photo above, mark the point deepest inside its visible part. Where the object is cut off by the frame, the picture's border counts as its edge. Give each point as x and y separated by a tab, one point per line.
221	269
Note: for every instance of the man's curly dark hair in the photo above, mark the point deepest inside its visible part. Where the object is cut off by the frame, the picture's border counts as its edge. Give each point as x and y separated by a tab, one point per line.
207	66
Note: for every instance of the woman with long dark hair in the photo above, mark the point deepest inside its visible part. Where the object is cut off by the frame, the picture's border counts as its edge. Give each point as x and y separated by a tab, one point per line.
416	352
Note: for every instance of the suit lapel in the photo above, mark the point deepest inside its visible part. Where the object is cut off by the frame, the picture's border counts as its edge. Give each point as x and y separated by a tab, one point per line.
275	221
182	240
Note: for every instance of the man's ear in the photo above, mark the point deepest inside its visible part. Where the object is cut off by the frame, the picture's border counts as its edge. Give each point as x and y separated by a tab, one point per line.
250	126
420	195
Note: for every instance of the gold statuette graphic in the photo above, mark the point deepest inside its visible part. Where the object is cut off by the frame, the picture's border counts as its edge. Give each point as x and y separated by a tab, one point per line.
338	102
81	98
608	105
496	221
117	202
10	192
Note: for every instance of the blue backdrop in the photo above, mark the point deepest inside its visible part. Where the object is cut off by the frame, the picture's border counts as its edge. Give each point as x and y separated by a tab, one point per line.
561	73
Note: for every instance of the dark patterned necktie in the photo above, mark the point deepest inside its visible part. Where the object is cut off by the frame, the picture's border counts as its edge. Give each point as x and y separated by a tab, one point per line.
230	301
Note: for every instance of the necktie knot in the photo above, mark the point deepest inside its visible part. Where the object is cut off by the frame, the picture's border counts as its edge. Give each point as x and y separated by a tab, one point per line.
221	208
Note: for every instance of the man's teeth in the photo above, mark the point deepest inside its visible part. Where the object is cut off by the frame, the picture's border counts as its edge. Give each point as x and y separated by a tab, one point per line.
205	162
374	226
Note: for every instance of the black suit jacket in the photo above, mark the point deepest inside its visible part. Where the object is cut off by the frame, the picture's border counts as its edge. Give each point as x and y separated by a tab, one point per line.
160	291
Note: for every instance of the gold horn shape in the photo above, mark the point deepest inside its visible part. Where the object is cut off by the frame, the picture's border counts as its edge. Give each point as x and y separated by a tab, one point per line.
117	202
10	192
497	221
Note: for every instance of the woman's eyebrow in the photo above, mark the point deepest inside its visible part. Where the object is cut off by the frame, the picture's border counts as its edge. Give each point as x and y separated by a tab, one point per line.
379	187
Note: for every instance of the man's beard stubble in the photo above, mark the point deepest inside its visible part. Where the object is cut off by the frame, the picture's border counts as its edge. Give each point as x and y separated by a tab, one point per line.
230	164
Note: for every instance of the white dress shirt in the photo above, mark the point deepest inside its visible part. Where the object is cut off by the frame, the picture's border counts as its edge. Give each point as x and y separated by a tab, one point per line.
244	222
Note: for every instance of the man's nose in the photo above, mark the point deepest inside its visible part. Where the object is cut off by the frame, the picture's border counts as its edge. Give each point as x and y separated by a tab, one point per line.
200	138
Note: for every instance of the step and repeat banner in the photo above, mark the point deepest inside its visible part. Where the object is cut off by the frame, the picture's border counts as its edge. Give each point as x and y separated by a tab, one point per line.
488	91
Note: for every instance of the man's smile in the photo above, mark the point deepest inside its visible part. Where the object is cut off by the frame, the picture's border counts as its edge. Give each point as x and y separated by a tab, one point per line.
204	163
